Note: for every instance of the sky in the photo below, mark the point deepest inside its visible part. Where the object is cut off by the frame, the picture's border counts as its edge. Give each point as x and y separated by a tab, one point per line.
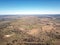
29	7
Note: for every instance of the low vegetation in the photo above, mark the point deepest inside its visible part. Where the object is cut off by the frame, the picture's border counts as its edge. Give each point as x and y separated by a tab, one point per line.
30	30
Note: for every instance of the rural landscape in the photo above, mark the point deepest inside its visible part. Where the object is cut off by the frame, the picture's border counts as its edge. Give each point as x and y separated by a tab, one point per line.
30	29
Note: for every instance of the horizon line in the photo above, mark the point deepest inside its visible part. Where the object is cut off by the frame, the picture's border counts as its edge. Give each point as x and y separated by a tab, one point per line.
29	14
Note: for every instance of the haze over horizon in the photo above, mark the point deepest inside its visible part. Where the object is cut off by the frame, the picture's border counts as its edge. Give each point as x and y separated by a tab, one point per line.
29	7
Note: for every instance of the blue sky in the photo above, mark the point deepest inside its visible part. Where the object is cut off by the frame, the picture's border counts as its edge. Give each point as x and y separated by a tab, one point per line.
29	6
